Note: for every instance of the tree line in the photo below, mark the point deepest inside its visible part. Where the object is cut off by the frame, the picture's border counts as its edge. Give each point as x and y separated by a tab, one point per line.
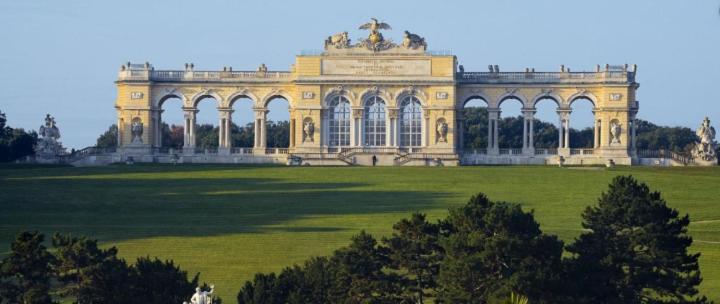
649	136
78	271
633	249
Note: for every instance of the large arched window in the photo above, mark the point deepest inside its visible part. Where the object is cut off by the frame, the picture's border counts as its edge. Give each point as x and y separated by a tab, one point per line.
339	122
374	121
410	122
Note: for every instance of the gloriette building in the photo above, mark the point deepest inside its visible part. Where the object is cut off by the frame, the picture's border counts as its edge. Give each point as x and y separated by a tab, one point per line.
376	101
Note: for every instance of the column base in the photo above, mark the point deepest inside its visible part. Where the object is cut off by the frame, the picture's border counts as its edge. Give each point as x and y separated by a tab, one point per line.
564	152
188	150
529	151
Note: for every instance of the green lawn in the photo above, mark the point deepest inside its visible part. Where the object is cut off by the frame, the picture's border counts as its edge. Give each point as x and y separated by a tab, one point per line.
229	222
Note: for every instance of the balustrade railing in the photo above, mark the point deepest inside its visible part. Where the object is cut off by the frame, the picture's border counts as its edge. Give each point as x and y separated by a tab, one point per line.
241	150
179	76
546	77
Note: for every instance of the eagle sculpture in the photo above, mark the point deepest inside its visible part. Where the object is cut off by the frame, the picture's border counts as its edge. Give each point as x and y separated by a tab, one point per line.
374	26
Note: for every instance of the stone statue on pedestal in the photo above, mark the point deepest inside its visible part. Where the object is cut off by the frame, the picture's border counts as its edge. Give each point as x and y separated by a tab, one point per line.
442	130
615	129
706	149
136	131
308	131
48	148
202	297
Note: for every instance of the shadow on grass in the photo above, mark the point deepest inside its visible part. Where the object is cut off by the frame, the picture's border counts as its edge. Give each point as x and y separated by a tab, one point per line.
116	209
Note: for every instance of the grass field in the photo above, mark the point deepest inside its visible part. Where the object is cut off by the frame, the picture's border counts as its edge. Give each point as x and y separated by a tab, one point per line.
229	222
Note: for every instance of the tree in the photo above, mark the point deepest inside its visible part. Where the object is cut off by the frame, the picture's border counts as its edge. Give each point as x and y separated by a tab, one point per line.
16	144
492	249
414	248
109	138
207	136
654	137
359	276
278	134
25	275
475	128
90	274
159	282
243	136
173	136
635	250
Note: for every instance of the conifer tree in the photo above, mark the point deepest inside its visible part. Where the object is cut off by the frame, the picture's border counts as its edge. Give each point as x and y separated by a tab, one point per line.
414	248
26	273
635	250
493	249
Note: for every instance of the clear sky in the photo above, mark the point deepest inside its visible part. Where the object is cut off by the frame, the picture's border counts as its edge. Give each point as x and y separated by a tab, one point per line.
61	57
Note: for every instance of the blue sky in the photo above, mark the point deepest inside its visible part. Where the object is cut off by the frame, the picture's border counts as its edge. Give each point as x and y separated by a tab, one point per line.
61	57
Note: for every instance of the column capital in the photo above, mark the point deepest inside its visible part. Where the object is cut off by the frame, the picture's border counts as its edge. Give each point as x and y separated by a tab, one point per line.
190	109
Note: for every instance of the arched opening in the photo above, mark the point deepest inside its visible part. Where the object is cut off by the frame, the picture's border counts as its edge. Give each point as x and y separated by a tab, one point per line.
374	131
546	123
410	122
242	129
474	125
510	133
206	123
582	122
277	134
338	122
171	133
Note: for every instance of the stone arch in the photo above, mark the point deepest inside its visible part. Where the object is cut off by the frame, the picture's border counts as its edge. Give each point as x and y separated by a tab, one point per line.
338	91
275	94
204	94
468	97
404	92
374	91
244	93
582	95
158	102
512	95
552	96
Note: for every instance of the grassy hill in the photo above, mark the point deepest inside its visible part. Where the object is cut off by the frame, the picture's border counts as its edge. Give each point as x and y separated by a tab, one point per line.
229	222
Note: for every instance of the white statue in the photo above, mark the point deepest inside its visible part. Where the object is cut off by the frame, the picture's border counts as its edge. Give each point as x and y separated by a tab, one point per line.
202	297
706	148
442	130
308	131
615	132
48	147
136	130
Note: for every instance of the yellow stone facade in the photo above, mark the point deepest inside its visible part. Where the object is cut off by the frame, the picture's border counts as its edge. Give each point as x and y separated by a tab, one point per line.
381	71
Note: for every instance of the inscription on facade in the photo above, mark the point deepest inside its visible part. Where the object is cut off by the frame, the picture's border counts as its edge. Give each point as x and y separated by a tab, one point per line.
136	95
376	67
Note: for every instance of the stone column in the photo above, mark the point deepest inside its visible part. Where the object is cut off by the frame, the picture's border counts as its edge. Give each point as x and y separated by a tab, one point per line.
633	140
596	139
356	138
260	130
460	132
493	131
391	129
224	142
528	132
564	133
189	129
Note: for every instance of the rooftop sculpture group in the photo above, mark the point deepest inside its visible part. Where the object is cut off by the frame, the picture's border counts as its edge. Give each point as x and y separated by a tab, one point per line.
375	41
